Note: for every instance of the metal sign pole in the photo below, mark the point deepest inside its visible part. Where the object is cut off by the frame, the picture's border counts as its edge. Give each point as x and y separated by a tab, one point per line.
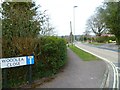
0	53
0	78
5	84
30	74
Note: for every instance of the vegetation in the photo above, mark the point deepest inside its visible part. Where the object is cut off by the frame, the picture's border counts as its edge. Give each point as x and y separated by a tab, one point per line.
96	43
104	39
50	56
95	24
111	17
22	25
107	17
82	54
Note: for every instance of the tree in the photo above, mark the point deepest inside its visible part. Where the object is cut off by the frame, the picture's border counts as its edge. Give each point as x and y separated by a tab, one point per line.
86	34
46	28
18	20
110	11
87	31
19	28
94	23
21	25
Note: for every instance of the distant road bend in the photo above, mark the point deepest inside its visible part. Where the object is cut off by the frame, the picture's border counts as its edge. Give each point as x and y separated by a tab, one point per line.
109	56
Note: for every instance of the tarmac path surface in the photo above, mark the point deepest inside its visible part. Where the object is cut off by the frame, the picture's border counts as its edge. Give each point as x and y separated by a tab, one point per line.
78	74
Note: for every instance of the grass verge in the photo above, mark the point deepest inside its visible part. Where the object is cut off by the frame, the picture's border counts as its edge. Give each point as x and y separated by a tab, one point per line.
82	54
95	43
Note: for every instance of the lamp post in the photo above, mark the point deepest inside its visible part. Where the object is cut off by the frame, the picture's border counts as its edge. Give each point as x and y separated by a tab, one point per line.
74	20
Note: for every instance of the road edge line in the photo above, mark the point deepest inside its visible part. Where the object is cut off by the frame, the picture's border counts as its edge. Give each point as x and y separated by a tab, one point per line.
113	66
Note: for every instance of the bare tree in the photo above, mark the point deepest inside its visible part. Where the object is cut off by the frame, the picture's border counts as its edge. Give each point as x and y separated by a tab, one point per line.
94	23
87	31
46	28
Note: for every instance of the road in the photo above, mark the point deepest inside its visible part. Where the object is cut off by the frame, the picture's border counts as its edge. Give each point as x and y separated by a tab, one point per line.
108	54
112	57
78	74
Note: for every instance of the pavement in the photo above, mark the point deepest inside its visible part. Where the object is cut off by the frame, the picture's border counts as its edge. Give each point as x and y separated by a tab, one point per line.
78	74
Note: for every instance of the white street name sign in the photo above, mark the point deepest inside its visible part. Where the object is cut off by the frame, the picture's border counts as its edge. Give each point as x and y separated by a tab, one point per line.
16	61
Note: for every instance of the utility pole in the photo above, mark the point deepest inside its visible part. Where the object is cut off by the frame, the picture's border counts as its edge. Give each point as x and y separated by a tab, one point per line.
71	34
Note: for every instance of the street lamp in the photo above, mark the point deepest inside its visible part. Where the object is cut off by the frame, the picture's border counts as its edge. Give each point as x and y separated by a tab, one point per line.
74	20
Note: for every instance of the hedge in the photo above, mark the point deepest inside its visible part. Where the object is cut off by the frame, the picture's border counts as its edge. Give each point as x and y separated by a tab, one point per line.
104	39
49	52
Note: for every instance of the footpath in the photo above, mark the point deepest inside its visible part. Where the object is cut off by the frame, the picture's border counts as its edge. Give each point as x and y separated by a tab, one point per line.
78	74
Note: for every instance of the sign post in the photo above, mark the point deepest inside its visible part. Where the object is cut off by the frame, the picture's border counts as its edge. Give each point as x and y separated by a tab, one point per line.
30	61
5	84
16	62
30	74
0	78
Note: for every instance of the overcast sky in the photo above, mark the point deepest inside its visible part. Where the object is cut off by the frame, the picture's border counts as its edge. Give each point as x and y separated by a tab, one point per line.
61	13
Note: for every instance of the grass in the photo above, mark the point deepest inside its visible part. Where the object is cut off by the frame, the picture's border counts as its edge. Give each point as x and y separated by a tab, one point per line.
96	43
83	55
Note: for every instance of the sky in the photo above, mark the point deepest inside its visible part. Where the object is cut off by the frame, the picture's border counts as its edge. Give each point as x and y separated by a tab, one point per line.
61	13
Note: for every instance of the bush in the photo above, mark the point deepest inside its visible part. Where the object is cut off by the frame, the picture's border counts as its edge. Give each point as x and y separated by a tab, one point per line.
52	55
104	39
49	53
113	38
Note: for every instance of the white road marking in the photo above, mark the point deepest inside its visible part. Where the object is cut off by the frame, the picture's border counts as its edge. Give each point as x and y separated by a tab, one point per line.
115	70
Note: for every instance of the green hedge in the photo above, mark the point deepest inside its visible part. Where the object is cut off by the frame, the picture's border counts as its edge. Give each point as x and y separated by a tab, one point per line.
49	52
104	39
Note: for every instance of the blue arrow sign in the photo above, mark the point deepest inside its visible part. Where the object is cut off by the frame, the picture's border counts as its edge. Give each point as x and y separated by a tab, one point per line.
29	60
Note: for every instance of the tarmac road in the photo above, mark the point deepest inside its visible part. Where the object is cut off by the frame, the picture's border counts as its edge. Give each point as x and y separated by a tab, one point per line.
108	54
